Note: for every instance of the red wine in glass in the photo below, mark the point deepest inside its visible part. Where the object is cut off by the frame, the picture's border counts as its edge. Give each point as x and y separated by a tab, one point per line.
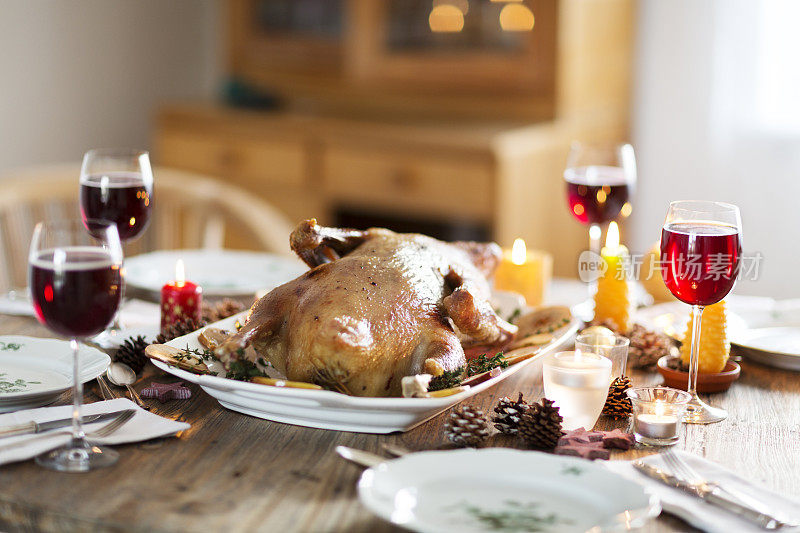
596	194
700	261
122	198
75	290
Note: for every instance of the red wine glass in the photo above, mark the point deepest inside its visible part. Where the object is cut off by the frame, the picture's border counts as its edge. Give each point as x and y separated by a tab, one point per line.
600	180
701	248
76	285
117	186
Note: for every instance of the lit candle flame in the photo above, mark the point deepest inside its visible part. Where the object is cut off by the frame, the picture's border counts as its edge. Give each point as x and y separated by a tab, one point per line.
659	408
519	253
612	237
180	273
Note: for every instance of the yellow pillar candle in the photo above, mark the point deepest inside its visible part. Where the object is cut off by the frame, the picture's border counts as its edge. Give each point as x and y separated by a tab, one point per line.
525	272
612	300
714	345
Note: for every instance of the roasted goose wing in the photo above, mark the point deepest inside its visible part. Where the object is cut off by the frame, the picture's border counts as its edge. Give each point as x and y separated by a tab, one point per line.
376	306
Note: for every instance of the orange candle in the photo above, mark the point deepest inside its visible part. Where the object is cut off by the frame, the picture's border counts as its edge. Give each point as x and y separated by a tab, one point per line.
525	272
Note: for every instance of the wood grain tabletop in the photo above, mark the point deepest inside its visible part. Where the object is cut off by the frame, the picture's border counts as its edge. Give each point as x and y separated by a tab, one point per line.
233	472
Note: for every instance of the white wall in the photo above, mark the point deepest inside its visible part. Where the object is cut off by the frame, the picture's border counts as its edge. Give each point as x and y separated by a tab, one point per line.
90	73
696	136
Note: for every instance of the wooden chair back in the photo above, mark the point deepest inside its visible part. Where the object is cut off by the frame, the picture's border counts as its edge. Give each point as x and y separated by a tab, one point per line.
189	211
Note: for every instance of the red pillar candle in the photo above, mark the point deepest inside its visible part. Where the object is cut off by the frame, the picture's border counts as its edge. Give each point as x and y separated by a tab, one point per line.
180	299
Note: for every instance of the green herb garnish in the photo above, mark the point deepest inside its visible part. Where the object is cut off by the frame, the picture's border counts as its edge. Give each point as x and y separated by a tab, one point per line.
482	364
448	380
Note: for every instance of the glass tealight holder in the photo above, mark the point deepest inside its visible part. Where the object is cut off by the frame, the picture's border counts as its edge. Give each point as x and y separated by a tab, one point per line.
578	385
614	347
657	414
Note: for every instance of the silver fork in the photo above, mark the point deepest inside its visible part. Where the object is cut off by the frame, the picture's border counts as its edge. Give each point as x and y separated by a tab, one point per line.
103	431
114	425
683	471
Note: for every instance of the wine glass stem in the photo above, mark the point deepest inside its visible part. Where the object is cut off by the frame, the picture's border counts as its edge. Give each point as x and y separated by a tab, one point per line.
594	238
697	313
78	435
594	246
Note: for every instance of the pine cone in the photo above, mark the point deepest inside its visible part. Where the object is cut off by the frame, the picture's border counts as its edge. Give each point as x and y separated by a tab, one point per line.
466	426
178	329
221	310
618	405
647	346
540	426
509	413
132	353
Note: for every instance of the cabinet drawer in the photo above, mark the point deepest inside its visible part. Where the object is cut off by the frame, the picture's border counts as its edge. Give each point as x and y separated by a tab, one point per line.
246	161
425	185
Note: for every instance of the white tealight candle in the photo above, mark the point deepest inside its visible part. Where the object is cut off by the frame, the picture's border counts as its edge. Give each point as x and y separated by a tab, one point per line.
658	425
577	382
657	414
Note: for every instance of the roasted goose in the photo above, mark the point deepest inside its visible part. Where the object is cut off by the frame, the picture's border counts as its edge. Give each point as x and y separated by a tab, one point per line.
376	306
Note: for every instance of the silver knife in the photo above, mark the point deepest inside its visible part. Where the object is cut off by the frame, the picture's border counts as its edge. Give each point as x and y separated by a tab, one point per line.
38	427
712	494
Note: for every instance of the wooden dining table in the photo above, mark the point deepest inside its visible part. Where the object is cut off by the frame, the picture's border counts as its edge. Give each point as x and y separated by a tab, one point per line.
233	472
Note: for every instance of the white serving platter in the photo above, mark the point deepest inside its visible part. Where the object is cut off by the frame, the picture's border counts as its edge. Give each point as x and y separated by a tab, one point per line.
218	272
332	410
35	371
499	489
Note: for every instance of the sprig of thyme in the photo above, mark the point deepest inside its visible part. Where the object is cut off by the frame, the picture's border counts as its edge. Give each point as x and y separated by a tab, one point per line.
482	364
200	355
448	380
240	369
479	365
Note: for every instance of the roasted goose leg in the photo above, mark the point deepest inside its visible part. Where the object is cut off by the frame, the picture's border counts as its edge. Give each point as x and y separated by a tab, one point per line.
376	306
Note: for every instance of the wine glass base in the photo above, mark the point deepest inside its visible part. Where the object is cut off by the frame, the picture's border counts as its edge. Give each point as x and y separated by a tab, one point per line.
699	412
80	457
111	338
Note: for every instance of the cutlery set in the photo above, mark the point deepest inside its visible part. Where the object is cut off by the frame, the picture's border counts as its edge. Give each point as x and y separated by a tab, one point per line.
680	475
43	429
685	478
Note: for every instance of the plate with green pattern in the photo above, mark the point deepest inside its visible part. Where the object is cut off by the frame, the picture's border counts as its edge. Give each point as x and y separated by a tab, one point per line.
35	371
503	490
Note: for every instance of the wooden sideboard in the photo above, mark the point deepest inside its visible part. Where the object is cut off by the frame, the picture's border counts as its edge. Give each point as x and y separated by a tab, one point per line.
506	178
490	160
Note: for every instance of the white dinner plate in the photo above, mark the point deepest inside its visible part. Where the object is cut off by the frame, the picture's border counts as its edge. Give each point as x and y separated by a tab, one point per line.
331	410
499	489
778	347
35	371
219	272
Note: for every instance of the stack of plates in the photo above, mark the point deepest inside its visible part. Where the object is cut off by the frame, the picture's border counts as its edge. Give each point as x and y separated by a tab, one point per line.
34	372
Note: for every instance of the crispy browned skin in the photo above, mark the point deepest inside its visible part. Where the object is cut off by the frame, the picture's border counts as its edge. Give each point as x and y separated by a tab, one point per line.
373	308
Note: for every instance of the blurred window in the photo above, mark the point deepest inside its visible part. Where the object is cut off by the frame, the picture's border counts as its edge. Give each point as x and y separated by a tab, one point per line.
777	74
